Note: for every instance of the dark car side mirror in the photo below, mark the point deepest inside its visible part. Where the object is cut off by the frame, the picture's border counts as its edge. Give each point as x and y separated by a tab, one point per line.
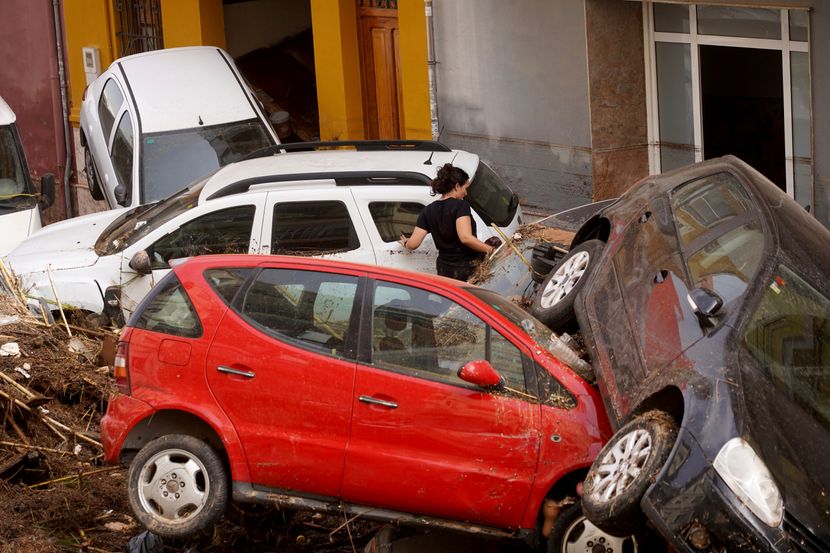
140	263
481	373
47	190
120	193
705	302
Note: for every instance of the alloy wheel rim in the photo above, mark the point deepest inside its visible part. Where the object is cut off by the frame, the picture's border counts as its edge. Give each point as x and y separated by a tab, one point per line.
173	486
564	279
621	466
583	537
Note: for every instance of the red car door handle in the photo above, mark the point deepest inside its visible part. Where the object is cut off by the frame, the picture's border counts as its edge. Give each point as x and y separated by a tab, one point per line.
228	370
376	401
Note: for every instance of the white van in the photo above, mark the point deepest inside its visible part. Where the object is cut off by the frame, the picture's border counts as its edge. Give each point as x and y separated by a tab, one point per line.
154	122
20	204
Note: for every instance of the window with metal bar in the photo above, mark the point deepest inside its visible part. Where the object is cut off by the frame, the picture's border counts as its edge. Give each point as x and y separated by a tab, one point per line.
139	26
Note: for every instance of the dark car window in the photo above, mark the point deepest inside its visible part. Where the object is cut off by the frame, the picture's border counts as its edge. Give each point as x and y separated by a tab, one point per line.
122	152
169	311
307	308
728	263
227	282
172	160
491	198
789	334
426	335
310	228
706	203
222	231
108	106
394	218
12	175
720	233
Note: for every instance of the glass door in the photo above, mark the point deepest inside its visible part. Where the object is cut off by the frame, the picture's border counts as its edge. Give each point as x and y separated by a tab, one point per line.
731	80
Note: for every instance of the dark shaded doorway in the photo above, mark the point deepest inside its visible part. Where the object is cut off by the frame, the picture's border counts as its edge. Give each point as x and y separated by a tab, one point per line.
743	107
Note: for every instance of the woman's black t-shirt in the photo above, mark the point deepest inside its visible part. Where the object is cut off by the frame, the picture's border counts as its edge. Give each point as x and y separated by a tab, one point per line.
438	218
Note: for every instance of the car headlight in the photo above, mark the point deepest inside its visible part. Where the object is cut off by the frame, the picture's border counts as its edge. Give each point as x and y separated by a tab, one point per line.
750	480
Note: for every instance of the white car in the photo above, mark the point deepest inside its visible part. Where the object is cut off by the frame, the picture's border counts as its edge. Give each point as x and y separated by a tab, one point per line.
19	204
339	204
154	122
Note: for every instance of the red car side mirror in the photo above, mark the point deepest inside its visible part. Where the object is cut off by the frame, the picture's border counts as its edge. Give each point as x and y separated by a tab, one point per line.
481	373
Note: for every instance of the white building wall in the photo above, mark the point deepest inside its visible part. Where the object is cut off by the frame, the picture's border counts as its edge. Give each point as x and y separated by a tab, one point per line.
512	83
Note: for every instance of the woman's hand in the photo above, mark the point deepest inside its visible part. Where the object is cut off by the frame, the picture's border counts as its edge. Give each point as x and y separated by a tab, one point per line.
403	240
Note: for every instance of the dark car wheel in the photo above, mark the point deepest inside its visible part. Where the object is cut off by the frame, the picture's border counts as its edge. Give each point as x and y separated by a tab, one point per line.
624	469
92	177
554	302
574	533
177	486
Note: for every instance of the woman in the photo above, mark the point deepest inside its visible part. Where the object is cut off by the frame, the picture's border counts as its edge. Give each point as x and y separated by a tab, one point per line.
451	224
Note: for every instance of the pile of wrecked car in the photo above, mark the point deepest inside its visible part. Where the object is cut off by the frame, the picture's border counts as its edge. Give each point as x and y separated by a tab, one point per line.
700	296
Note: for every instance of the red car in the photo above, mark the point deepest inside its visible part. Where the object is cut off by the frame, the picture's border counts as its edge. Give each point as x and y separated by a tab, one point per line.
328	385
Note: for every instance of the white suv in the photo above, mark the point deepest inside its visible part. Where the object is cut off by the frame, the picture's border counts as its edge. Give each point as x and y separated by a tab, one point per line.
154	122
340	204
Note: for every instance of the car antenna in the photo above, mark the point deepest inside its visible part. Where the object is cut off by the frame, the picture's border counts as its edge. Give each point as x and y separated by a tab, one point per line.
432	153
200	120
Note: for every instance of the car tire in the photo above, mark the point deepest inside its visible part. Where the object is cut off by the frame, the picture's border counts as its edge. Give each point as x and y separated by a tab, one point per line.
613	491
574	533
554	301
177	486
92	176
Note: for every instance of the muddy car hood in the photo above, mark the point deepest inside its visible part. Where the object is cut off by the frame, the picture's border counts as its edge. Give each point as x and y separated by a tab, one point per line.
65	245
795	448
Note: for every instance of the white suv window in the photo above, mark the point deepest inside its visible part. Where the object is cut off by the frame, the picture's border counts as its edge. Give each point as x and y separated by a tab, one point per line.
312	228
222	231
394	218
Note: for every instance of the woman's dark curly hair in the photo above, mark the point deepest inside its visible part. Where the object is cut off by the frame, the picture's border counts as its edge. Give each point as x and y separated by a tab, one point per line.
447	179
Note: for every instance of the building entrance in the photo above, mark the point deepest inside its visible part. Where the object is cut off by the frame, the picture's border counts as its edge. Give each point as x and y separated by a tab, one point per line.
742	103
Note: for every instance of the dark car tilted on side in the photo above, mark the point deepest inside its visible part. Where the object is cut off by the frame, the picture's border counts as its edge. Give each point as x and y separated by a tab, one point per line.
703	297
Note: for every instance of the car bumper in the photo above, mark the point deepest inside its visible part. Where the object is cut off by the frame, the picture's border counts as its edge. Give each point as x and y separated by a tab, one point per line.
690	505
123	413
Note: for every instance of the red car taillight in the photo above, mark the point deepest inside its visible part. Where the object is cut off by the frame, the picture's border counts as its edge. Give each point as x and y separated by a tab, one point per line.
122	368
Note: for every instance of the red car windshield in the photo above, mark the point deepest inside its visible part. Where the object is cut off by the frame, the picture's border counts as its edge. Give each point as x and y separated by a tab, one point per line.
520	318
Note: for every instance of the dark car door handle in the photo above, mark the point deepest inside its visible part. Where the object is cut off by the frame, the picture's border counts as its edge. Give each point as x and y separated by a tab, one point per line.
661	276
376	401
228	370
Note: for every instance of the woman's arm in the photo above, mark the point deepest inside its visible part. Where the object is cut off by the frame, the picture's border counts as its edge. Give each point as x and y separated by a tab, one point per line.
412	243
464	228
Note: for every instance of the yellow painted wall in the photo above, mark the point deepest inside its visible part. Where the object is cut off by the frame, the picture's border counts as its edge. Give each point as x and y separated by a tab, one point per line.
192	23
92	23
337	66
337	69
414	72
87	23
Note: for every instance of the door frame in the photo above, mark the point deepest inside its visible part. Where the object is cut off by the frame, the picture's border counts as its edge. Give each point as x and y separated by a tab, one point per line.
694	39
